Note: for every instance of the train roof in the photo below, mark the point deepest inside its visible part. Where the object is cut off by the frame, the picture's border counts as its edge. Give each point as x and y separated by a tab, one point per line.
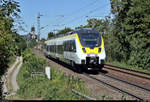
78	31
86	30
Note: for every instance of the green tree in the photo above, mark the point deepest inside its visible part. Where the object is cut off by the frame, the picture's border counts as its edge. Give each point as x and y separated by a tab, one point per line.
137	27
131	27
50	34
19	43
8	12
63	31
120	9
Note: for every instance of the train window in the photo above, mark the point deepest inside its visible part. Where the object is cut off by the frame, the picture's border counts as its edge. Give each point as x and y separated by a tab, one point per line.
53	48
47	48
50	48
59	49
73	46
66	45
70	46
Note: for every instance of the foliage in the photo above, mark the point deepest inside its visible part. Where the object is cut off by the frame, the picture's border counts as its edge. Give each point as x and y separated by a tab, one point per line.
58	88
50	34
63	31
132	30
127	66
8	12
32	43
19	43
127	34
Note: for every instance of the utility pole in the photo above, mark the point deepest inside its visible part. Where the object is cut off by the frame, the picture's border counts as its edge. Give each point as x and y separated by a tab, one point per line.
38	22
38	26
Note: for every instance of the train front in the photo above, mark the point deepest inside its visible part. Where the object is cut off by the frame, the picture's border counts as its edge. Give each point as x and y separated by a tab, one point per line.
92	49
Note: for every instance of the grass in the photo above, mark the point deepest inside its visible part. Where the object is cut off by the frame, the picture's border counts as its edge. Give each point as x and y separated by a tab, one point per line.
124	65
58	88
16	97
40	87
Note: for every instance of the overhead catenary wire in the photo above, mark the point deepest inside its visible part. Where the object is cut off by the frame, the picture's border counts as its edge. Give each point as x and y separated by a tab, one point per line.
64	18
70	19
90	4
82	8
91	11
79	17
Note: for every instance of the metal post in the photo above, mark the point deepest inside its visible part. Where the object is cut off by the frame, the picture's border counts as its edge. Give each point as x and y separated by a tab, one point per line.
38	22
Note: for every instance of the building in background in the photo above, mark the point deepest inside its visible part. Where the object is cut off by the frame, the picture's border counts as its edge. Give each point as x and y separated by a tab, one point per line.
31	34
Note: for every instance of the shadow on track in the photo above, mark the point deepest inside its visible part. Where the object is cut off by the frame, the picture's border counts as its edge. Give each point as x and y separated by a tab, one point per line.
95	72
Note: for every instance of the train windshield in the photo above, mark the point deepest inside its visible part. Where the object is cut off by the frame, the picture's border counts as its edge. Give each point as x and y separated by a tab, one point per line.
90	39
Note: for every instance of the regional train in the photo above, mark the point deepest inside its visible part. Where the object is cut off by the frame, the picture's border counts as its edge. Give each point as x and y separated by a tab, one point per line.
83	49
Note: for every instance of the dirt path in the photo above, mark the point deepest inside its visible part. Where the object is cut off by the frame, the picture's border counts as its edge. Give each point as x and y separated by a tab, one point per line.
14	76
10	85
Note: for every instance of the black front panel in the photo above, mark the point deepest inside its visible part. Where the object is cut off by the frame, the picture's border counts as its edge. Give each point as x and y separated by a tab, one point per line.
92	60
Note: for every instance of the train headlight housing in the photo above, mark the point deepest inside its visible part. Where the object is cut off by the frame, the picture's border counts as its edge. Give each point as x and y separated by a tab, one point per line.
84	50
99	50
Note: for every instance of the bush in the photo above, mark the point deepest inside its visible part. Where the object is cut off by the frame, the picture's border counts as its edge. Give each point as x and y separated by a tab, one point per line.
58	88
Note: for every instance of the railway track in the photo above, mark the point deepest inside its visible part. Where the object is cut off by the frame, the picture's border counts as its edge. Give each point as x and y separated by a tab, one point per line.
138	97
116	88
134	87
141	76
123	81
140	79
128	71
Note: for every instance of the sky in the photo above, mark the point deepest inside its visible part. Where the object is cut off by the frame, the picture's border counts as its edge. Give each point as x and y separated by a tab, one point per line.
58	14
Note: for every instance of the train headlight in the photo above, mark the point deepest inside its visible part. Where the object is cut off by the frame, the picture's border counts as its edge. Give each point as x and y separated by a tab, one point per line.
99	50
84	50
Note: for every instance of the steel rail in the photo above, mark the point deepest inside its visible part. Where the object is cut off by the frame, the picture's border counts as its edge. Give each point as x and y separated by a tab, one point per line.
112	86
127	69
121	90
128	73
117	79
